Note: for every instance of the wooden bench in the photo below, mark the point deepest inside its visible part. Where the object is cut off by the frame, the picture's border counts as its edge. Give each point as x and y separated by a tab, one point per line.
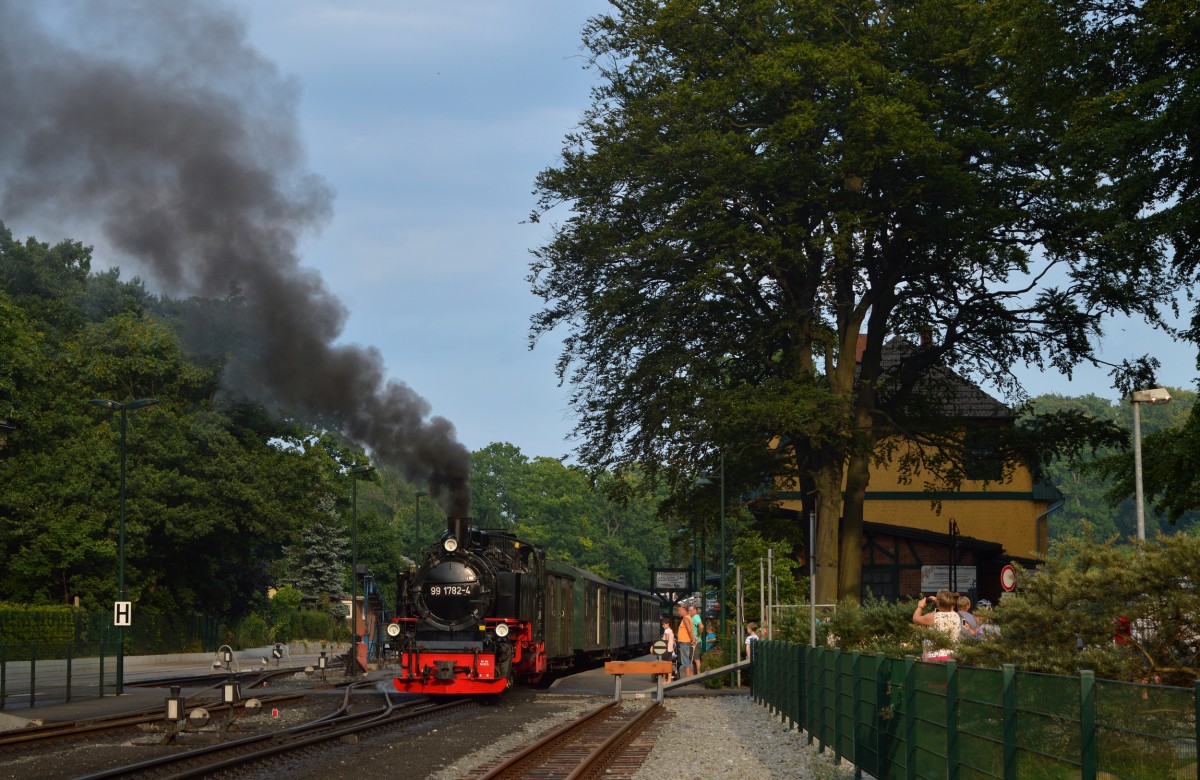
659	669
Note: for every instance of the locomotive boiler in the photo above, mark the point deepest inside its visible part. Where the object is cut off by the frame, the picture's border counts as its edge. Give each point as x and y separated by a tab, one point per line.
484	609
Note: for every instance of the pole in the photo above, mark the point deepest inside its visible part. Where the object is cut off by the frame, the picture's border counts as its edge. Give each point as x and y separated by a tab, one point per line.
113	406
812	580
724	561
120	689
353	665
739	618
762	593
770	596
1137	470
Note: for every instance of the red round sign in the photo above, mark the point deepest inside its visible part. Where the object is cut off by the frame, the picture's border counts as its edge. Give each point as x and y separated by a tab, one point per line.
1008	578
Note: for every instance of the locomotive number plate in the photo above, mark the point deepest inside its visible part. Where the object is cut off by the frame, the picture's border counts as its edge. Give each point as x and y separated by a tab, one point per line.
451	590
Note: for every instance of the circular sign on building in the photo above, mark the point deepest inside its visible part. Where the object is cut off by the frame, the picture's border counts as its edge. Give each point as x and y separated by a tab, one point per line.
1008	578
659	647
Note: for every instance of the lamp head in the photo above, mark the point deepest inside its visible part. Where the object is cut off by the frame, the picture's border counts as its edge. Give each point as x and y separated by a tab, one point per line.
362	469
1154	395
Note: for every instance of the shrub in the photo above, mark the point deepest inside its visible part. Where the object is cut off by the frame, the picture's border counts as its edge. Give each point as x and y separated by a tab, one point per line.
251	631
876	626
23	624
312	624
714	659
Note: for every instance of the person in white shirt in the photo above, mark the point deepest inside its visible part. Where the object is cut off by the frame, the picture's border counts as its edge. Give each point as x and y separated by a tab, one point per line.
751	637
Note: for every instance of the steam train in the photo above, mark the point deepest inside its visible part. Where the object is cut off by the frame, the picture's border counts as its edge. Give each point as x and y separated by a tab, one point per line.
485	609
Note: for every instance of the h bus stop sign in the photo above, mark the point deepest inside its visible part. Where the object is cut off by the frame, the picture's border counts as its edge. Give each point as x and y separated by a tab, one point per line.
659	648
122	613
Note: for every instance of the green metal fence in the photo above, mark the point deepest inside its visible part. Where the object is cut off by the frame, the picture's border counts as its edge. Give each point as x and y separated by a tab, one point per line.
56	671
77	658
904	719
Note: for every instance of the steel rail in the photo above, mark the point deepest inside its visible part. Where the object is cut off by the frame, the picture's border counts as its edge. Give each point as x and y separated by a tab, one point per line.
285	740
512	764
602	756
561	741
33	734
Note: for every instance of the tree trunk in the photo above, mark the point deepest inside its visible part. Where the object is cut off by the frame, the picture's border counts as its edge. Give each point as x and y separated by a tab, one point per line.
829	510
858	476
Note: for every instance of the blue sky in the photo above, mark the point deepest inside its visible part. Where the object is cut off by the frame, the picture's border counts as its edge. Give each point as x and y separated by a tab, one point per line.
430	121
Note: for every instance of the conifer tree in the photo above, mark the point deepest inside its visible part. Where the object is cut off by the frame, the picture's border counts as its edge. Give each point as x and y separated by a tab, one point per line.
316	566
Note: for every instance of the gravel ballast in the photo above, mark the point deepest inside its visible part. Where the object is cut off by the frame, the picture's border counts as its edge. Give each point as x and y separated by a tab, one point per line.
707	737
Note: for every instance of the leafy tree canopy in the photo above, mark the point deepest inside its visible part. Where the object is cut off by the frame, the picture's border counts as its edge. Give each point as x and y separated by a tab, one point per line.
758	184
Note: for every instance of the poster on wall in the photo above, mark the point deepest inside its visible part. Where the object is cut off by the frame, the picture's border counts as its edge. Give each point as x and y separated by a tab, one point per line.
935	578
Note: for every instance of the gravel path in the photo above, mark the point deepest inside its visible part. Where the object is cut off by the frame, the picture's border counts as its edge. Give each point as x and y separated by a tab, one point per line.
709	737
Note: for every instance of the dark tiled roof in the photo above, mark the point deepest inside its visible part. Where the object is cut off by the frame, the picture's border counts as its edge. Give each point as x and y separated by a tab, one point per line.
957	396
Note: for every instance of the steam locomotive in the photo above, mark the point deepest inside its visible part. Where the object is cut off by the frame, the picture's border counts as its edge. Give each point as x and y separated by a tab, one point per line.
485	609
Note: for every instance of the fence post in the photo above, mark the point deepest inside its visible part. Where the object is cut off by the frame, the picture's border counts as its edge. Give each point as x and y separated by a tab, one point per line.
790	694
772	669
1196	720
811	654
3	673
856	686
69	671
101	686
820	715
910	718
952	720
32	674
768	658
881	687
801	690
1009	728
1087	724
837	705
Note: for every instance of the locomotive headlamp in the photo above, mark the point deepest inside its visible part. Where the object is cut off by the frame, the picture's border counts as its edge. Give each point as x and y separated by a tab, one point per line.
450	544
393	629
501	630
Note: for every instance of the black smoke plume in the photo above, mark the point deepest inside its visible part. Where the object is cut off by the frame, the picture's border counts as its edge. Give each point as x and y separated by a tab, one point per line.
158	124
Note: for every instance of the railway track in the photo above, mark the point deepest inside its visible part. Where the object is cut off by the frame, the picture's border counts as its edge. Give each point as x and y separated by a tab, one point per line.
601	743
343	723
32	736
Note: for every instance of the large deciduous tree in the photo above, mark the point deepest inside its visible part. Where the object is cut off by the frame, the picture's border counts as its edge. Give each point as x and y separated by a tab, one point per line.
757	184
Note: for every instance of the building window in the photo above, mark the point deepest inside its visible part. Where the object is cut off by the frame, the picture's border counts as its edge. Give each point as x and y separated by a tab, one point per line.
981	456
882	581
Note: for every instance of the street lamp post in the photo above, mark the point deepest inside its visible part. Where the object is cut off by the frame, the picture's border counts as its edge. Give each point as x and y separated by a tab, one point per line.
113	406
417	535
1155	395
724	562
352	667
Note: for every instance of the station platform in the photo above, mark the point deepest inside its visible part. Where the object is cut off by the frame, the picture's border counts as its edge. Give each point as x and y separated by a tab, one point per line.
597	682
593	682
51	707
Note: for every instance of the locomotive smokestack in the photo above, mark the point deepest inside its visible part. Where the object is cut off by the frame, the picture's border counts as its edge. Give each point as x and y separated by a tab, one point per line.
459	528
158	125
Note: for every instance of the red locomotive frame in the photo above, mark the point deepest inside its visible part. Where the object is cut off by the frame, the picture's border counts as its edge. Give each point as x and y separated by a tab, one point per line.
448	672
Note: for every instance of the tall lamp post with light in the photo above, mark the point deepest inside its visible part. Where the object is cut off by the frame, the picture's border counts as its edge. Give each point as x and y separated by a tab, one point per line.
355	472
1155	395
113	406
724	562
